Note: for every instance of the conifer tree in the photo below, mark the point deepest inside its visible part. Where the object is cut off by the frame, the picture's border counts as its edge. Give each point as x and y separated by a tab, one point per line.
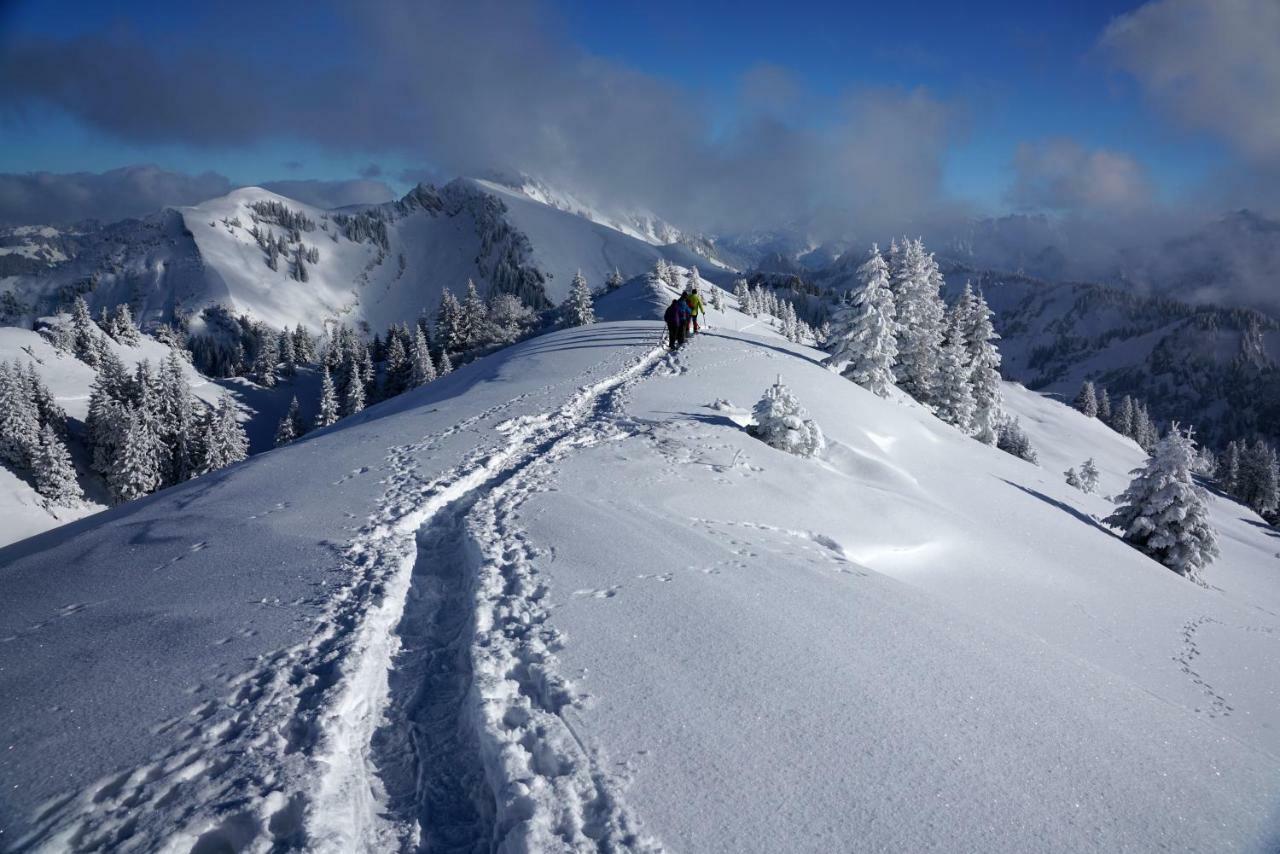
577	309
1012	439
328	412
1123	422
399	369
224	441
135	470
613	281
1089	476
863	343
472	317
448	319
784	424
288	353
1073	479
84	341
19	420
1087	400
176	422
717	299
264	363
290	426
446	364
984	367
353	396
1104	406
423	369
921	318
55	476
1164	513
1229	469
124	329
954	395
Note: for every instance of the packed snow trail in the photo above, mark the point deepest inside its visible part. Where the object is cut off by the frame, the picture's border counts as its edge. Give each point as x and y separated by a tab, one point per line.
467	686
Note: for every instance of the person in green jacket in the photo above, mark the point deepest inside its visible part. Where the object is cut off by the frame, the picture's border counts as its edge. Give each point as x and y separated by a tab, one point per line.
695	306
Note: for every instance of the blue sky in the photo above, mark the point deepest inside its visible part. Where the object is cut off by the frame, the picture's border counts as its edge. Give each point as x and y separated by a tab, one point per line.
997	75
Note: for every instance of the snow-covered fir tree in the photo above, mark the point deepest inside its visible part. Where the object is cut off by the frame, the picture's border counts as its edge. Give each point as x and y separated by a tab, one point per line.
1073	479
1104	406
1087	400
19	420
717	298
449	334
264	363
399	369
54	474
135	471
223	440
176	421
290	426
863	341
577	309
920	320
953	397
353	398
1089	476
472	318
784	424
741	294
1164	513
1012	439
85	335
124	329
423	369
445	366
984	370
327	413
613	281
287	353
1123	421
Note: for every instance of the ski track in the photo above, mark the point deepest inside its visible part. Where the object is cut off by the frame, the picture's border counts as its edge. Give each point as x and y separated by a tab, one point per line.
451	734
281	759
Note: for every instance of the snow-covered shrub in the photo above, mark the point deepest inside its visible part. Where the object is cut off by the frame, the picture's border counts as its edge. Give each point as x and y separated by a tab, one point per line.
784	424
1164	513
1012	439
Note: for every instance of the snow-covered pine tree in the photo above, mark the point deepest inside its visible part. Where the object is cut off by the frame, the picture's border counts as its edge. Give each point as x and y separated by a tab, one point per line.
921	317
176	422
423	370
577	309
304	346
448	319
54	474
124	329
48	410
863	342
984	371
473	318
1087	400
1012	439
1104	406
953	394
613	281
1125	415
353	395
1073	479
1229	468
445	365
264	363
717	298
741	294
671	275
328	411
1164	513
1089	476
290	426
399	369
85	334
135	471
288	354
1145	432
784	424
225	440
19	420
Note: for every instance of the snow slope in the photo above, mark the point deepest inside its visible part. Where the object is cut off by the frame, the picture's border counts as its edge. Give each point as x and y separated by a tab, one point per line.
561	600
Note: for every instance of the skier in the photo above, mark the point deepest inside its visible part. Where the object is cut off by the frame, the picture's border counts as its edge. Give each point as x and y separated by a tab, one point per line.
675	318
695	306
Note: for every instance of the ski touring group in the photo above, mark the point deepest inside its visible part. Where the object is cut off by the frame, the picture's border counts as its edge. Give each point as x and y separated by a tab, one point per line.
682	316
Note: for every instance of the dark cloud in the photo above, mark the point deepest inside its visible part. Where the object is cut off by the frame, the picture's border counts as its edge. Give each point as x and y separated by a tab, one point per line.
373	170
491	85
54	199
333	194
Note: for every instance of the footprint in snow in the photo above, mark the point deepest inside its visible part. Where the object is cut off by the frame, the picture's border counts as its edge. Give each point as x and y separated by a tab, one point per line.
608	593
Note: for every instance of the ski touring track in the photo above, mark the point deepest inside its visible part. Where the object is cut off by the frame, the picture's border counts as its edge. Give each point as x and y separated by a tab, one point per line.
452	730
294	754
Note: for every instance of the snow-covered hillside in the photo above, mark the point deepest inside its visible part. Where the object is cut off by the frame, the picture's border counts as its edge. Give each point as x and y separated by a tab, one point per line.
23	513
368	267
560	599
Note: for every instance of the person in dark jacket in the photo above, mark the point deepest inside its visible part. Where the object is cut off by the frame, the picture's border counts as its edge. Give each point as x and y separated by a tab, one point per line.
674	317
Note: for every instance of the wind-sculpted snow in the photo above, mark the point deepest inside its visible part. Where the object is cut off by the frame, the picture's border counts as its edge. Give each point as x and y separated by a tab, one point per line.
562	600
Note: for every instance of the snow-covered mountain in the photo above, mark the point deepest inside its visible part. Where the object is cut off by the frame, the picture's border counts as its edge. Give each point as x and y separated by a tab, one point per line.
1216	368
372	266
560	599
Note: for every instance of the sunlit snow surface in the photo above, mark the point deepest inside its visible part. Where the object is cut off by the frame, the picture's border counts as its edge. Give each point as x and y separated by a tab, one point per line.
560	600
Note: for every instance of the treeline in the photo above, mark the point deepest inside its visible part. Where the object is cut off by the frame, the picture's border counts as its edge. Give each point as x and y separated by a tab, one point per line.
33	436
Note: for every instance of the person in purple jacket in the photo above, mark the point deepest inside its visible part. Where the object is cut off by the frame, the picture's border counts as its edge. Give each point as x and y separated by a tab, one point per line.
675	317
